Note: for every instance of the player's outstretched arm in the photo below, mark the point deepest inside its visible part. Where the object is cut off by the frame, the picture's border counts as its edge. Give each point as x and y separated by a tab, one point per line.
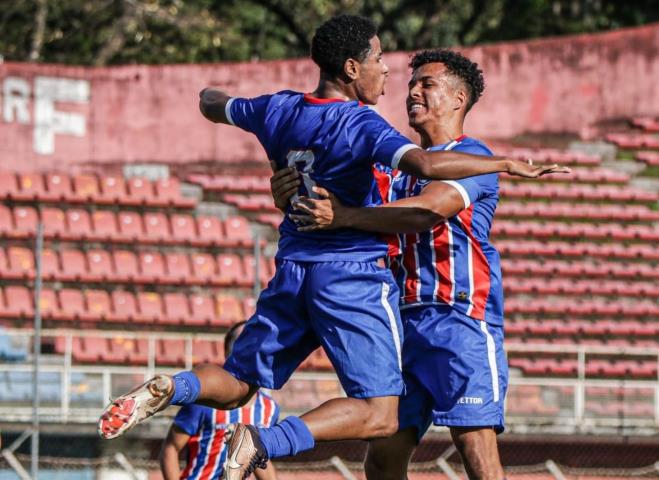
212	104
169	453
451	165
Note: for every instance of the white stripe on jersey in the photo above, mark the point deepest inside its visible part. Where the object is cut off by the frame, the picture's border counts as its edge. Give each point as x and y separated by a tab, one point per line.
451	260
492	360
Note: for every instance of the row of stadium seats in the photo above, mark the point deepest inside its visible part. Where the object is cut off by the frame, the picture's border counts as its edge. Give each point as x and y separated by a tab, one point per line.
608	342
612	193
552	286
124	266
551	155
78	224
649	158
579	268
581	175
591	307
144	308
633	140
587	231
572	211
648	124
576	328
594	367
104	190
516	248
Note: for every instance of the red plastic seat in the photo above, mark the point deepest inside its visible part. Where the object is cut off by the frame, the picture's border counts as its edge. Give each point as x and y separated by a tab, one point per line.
249	307
211	231
74	265
230	270
168	192
125	266
21	262
171	352
152	267
25	222
31	187
18	301
6	222
59	186
183	228
113	190
130	226
178	268
50	269
229	311
264	269
130	350
79	225
207	351
99	306
105	225
202	309
150	307
203	267
54	222
8	185
48	304
238	231
124	307
156	227
100	266
141	191
96	349
72	304
85	188
177	310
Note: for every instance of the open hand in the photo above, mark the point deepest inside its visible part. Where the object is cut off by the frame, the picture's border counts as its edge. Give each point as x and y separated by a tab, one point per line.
527	169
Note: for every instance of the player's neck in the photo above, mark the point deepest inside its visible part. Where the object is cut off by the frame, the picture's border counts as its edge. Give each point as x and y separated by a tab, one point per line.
441	132
334	88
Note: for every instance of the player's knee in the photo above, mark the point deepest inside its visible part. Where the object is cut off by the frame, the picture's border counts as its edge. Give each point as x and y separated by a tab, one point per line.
381	423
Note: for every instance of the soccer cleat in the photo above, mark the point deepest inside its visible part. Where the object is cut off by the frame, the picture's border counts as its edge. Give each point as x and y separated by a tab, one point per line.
128	410
246	452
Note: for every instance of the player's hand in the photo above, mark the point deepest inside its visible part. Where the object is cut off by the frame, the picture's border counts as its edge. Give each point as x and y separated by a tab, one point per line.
527	169
283	185
323	213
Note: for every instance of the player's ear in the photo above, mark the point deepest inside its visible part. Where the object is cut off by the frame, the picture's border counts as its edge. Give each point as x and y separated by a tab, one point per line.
460	99
351	69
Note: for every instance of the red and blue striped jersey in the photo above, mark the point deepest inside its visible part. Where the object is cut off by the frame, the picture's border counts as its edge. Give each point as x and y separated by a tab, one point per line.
454	263
206	427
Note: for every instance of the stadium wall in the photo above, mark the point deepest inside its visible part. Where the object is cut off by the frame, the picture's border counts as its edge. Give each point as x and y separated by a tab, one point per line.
55	116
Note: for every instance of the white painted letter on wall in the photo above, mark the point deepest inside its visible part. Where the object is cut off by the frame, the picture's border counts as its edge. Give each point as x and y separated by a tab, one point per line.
16	93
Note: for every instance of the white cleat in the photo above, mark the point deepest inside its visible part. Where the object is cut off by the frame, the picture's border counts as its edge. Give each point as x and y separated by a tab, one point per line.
246	452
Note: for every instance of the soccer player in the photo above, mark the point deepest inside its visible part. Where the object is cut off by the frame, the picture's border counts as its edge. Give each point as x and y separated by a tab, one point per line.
454	363
330	288
201	429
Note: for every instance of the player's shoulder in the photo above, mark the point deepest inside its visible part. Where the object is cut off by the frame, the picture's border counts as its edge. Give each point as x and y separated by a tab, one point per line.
473	146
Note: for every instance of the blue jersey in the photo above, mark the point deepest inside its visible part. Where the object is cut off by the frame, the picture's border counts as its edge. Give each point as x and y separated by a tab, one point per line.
206	426
333	144
454	263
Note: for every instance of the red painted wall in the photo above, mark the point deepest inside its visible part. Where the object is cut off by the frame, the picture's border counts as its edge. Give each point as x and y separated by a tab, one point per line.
149	113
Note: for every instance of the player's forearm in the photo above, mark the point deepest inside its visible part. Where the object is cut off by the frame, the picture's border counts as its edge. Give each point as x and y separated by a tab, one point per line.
212	104
450	165
389	218
268	474
169	464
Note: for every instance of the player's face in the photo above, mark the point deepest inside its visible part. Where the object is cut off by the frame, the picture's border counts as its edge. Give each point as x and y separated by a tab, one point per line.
373	74
432	94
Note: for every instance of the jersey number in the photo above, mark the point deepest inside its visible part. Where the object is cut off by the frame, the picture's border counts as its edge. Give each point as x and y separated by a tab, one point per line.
303	160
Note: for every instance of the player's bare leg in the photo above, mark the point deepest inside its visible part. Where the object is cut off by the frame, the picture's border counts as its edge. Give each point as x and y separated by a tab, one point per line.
479	452
388	458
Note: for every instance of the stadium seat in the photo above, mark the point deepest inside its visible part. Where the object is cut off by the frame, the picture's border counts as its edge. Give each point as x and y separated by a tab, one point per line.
152	267
229	311
6	222
171	352
21	262
203	310
48	304
74	267
113	190
230	270
249	307
8	185
168	193
130	226
50	267
178	269
126	266
130	350
25	222
238	231
59	187
203	267
86	188
95	349
54	222
207	351
31	187
79	225
105	226
100	266
177	310
211	231
183	228
99	306
150	307
72	305
18	301
249	264
141	191
124	307
156	228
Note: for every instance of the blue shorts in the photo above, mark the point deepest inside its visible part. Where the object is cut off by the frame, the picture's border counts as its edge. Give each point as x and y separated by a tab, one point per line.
455	370
348	308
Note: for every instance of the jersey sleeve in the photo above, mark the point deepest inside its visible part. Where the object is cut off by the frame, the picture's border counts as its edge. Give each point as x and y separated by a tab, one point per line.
372	138
247	113
472	189
189	419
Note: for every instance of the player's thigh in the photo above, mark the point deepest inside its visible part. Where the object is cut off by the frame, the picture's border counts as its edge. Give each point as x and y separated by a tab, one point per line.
279	336
354	310
388	458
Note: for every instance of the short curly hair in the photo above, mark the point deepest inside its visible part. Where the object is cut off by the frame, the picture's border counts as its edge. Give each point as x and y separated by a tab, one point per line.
341	38
458	65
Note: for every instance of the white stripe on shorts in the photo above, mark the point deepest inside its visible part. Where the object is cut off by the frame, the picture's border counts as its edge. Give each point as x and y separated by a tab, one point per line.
392	322
492	359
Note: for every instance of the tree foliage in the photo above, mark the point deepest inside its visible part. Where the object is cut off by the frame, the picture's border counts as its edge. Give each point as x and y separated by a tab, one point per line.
106	32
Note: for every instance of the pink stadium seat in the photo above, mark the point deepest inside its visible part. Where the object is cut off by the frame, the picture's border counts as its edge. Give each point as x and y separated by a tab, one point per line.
100	266
105	225
99	306
206	351
150	307
141	191
229	311
74	265
152	267
113	190
126	266
79	225
48	304
177	310
249	307
264	269
124	307
230	270
202	310
203	267
183	228
31	187
59	187
168	192
156	227
211	231
18	301
6	222
130	350
86	188
238	231
171	352
130	226
72	305
50	269
54	222
25	222
8	185
21	262
178	268
96	349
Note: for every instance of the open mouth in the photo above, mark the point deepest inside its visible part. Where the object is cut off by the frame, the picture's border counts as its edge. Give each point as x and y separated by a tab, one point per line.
415	107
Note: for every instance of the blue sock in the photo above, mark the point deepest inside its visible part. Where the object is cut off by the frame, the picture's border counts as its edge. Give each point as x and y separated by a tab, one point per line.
286	438
186	388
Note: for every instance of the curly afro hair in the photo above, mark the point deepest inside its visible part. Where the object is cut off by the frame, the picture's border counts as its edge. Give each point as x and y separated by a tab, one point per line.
341	38
458	65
